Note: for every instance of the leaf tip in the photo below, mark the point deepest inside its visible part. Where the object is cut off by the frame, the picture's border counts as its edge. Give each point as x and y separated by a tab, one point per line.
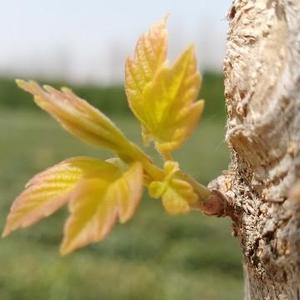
6	232
9	228
64	250
200	104
21	83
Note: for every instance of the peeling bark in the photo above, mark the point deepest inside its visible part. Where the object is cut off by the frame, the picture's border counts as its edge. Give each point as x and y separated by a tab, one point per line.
262	91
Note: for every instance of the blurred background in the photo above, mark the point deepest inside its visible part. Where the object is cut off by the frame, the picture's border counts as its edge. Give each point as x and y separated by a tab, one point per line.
83	44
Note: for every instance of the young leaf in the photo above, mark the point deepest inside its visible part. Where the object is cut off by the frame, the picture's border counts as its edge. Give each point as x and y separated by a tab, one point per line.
48	191
98	201
150	55
176	193
78	117
165	104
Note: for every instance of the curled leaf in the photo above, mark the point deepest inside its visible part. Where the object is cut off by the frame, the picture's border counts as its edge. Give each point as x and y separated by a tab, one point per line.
78	117
176	193
98	202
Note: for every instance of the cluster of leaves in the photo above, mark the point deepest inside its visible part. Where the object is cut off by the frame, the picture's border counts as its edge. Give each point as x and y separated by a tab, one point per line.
98	192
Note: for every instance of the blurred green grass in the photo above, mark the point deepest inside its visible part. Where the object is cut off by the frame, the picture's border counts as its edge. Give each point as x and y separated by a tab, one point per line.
153	257
112	99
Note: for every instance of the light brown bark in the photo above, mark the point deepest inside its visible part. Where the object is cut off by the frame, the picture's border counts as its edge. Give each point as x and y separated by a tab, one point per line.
262	91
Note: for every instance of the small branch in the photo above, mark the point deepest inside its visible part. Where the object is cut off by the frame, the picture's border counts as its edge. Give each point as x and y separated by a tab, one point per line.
211	201
215	205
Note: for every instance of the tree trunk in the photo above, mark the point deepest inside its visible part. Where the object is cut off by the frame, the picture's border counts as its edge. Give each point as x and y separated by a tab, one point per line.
262	91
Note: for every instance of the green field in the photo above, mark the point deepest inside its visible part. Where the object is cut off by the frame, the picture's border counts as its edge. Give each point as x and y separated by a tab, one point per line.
155	256
112	99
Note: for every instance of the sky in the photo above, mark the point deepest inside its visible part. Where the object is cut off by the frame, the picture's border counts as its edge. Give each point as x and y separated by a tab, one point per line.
88	40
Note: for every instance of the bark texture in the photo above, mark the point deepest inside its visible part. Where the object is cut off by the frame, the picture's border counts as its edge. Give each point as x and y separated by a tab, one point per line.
262	91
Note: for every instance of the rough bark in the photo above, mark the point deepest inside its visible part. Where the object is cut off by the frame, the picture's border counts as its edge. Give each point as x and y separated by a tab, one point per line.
262	91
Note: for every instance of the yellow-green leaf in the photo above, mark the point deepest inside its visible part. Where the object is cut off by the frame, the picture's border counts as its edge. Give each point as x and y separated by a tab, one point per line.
165	104
176	193
98	202
48	191
78	117
150	55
